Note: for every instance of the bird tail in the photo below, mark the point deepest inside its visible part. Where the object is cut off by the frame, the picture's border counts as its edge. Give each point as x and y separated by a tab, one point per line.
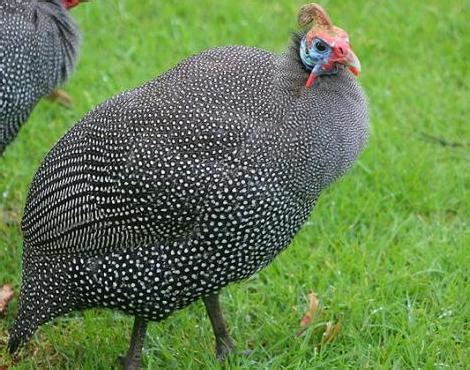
26	323
41	300
17	338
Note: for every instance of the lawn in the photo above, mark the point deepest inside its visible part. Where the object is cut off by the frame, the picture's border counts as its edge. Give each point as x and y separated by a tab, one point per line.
387	248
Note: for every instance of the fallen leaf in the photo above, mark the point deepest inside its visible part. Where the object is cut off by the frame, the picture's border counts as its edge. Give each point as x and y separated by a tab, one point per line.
61	97
308	315
331	332
6	295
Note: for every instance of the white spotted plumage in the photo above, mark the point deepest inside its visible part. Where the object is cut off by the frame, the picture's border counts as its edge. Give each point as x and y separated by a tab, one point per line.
171	191
39	44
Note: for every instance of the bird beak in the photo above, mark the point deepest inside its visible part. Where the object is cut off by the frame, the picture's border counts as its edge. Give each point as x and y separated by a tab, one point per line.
343	54
353	63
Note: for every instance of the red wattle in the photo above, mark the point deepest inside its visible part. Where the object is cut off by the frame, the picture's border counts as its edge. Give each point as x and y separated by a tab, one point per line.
311	80
69	4
354	70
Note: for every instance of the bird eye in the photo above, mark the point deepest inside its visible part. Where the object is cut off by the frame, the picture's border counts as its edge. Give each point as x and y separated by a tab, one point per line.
320	46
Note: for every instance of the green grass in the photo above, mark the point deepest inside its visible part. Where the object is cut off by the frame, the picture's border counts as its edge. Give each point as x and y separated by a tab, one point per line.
387	250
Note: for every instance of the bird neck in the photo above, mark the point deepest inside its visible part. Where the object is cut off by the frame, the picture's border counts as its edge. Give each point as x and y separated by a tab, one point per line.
66	40
291	72
330	141
295	70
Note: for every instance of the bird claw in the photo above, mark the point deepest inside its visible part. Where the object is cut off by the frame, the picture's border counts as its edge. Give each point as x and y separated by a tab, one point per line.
223	348
129	363
246	352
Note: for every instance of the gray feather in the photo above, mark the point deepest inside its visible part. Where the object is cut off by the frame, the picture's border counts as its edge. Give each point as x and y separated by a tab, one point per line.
39	44
171	191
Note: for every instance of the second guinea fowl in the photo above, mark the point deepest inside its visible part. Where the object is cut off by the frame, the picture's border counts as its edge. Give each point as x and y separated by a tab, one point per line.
169	192
39	43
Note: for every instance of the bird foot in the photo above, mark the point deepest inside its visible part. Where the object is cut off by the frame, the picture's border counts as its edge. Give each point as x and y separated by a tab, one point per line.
246	352
129	363
61	97
223	348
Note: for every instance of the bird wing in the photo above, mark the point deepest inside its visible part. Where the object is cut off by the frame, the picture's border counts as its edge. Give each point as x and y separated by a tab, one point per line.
149	166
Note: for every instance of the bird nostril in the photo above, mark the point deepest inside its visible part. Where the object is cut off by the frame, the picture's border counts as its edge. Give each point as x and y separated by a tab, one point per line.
341	51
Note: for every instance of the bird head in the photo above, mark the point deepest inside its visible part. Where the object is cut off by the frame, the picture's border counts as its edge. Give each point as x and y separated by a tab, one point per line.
325	45
72	3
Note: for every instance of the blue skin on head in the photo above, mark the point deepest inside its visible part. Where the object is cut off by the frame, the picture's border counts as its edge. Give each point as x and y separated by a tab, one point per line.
316	56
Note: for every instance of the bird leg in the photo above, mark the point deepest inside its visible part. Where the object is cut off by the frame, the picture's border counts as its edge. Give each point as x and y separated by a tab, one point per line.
61	97
223	343
132	360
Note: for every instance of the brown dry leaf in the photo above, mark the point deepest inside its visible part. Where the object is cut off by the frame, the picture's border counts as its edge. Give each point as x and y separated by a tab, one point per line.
6	295
61	97
308	315
331	332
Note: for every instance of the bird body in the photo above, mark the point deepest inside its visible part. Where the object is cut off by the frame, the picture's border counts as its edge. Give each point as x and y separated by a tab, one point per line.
39	44
199	178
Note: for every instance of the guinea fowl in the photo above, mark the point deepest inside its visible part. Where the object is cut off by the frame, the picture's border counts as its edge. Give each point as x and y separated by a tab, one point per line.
39	43
167	193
